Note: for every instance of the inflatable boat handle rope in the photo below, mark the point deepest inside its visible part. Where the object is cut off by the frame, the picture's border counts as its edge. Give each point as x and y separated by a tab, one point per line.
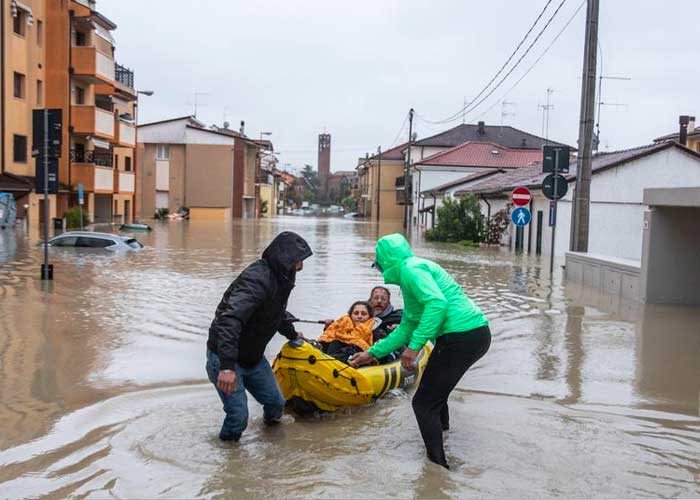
336	373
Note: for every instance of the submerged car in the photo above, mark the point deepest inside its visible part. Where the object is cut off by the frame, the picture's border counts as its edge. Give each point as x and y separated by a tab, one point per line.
88	239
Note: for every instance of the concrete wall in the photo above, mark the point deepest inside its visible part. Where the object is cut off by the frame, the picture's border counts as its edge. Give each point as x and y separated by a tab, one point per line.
209	175
607	275
671	256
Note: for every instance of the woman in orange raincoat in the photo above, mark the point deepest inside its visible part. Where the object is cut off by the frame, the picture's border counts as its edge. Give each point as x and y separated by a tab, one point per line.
349	334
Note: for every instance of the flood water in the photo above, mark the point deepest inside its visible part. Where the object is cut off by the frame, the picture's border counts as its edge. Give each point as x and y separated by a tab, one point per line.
103	391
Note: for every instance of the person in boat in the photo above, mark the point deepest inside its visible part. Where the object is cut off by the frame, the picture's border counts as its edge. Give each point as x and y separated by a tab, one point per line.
349	334
437	310
252	309
380	300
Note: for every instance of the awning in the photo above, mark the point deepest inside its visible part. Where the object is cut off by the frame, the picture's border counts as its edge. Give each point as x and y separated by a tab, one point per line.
99	143
15	184
16	6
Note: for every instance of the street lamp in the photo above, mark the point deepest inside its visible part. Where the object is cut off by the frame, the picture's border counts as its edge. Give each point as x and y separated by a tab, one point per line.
264	133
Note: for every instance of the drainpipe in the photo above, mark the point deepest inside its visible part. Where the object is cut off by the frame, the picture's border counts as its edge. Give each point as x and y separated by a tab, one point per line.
488	219
2	92
68	109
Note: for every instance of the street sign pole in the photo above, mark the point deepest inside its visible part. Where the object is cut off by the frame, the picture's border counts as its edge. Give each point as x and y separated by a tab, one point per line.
554	226
80	204
46	268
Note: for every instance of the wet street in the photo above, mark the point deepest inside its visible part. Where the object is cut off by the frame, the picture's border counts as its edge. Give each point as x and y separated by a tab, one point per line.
103	391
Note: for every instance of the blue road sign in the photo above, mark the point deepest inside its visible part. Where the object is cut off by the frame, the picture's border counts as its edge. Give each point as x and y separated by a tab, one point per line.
81	196
521	216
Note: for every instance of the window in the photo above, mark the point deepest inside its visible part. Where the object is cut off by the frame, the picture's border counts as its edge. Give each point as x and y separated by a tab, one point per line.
19	23
19	85
80	39
20	148
162	152
133	243
89	242
67	241
79	95
116	164
39	33
39	93
127	164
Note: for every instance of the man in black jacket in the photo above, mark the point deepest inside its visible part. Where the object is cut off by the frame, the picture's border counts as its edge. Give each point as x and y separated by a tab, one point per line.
250	312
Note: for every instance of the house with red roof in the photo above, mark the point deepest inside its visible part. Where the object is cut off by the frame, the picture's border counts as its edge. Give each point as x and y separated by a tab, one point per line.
437	176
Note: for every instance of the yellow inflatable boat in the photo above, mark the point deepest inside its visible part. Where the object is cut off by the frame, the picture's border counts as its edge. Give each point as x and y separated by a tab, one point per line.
311	380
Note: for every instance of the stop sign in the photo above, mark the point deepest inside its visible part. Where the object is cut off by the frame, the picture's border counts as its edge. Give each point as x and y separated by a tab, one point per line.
521	196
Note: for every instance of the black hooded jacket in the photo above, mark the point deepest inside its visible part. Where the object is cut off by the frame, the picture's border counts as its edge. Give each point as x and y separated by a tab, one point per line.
254	306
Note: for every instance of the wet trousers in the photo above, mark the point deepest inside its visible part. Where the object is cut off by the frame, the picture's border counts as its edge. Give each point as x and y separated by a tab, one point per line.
454	353
262	385
340	350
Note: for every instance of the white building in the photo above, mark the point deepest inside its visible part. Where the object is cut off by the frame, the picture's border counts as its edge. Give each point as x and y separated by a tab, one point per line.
617	198
442	158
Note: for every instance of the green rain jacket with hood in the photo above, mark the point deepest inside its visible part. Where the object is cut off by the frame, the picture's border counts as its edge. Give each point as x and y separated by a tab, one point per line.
434	304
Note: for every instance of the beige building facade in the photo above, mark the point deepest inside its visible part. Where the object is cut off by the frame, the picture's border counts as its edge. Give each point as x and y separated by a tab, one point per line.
379	192
185	165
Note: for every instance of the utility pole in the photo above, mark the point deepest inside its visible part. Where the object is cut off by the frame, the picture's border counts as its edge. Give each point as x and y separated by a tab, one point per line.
407	167
546	108
379	180
580	213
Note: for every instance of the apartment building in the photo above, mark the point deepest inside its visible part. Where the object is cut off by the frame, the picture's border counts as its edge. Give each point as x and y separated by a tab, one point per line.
212	171
61	54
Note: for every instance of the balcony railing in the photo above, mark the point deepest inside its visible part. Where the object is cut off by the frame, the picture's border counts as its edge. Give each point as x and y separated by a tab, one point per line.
124	75
97	157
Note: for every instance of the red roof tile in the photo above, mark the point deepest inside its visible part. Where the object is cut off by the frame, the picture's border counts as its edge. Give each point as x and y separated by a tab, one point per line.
483	154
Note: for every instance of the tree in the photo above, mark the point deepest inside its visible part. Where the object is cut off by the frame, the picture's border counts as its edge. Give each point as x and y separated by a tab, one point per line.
457	220
309	178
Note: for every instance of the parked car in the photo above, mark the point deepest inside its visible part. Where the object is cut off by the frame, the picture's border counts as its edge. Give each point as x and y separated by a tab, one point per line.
88	239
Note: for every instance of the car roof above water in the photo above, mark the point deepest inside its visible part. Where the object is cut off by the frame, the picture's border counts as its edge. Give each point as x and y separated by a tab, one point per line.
93	234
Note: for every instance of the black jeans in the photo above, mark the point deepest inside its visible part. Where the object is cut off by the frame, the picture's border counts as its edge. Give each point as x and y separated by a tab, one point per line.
340	350
454	353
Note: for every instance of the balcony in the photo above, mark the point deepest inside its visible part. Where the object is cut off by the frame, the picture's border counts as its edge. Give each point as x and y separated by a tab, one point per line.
91	120
82	8
102	158
86	170
124	182
92	65
125	134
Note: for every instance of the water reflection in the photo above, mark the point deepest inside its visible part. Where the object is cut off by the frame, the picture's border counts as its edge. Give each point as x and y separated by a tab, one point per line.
102	387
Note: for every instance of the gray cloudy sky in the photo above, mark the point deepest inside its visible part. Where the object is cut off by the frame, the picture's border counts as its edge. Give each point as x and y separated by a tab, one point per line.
354	68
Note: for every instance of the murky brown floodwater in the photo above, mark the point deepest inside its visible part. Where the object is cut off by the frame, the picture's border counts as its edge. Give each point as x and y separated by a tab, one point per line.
103	393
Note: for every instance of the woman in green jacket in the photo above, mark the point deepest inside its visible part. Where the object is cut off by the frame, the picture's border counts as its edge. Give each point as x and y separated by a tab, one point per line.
436	310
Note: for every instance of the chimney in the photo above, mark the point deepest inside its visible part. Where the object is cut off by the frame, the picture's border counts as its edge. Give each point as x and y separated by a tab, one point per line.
482	128
684	121
242	129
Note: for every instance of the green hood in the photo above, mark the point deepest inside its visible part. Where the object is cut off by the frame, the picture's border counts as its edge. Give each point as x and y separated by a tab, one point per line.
391	251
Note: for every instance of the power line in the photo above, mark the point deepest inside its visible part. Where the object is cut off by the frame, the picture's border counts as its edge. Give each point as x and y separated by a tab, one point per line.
527	51
398	135
544	52
510	58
